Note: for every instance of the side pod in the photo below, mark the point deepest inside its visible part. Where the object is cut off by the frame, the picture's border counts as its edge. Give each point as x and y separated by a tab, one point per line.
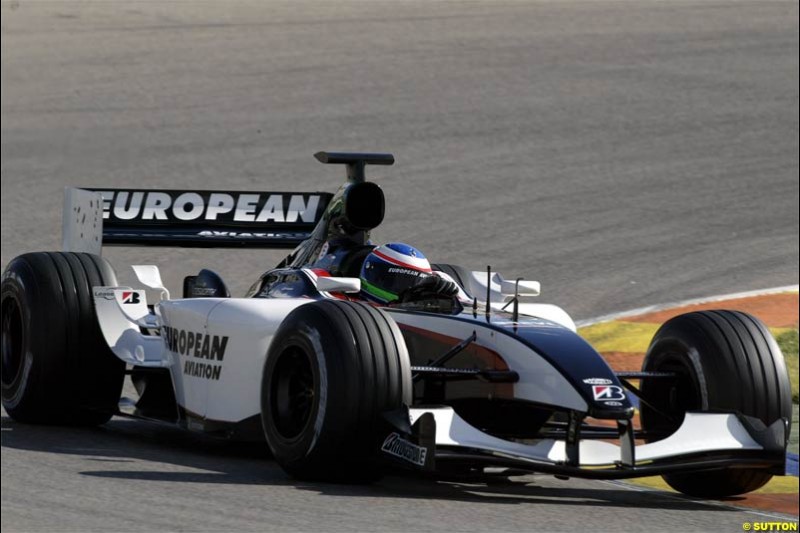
122	314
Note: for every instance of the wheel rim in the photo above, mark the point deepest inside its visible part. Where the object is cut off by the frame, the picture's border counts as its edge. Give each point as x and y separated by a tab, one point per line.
672	397
293	393
12	336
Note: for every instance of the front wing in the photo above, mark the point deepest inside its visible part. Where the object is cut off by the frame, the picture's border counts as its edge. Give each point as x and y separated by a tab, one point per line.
703	441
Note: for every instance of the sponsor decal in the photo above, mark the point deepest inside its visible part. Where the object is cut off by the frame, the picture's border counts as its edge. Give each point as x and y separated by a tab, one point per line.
405	450
196	346
407	272
613	404
253	234
131	297
204	291
597	381
104	294
201	370
132	206
608	392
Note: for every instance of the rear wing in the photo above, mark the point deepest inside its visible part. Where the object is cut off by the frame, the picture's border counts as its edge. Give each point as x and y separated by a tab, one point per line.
199	219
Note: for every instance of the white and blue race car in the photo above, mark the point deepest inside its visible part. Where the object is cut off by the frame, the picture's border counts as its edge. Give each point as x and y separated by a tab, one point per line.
479	377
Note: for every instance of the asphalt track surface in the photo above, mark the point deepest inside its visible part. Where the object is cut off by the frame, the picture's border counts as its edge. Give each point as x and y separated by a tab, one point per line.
623	153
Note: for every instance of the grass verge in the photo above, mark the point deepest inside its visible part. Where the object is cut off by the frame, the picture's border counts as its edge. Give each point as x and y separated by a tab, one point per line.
788	343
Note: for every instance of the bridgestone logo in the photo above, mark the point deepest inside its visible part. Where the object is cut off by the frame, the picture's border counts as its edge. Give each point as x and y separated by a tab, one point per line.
197	345
405	450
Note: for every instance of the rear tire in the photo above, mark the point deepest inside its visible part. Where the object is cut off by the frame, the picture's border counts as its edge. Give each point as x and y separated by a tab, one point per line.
56	366
726	360
332	369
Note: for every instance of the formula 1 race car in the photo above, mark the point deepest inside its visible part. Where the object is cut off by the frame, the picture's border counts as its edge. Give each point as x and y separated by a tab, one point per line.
482	379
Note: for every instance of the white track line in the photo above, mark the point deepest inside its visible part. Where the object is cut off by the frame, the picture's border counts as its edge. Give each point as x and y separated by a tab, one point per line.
671	305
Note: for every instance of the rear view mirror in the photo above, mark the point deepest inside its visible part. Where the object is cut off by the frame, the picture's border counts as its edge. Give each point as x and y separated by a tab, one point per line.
526	288
331	284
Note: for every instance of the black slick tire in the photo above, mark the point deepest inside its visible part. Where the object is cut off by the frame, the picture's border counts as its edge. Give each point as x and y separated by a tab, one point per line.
332	369
725	361
56	366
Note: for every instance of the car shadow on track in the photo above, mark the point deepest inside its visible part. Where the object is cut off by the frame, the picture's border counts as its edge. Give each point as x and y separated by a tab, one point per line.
164	454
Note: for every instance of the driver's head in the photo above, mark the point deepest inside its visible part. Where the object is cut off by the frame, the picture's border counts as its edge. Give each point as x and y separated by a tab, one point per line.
390	269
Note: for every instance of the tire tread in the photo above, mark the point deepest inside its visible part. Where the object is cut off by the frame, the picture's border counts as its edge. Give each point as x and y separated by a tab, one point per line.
369	363
743	373
75	379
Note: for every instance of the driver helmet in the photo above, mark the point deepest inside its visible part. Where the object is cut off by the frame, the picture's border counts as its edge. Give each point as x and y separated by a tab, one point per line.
390	269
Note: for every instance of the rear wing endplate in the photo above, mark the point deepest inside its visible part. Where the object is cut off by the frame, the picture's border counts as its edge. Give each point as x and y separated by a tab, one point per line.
199	219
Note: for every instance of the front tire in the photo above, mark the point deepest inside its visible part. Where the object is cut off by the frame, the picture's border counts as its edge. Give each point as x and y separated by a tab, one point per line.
332	369
725	360
56	366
